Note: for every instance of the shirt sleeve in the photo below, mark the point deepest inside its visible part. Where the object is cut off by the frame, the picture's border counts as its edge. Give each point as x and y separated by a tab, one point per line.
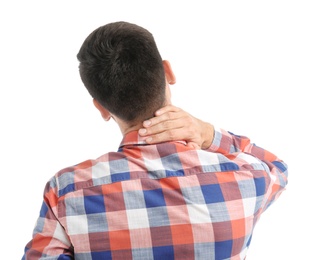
49	240
225	142
230	144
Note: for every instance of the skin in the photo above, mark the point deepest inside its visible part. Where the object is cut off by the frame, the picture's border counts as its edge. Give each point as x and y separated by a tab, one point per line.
169	124
172	123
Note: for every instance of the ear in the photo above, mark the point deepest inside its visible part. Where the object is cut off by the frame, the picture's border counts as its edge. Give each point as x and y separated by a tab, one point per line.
103	111
170	77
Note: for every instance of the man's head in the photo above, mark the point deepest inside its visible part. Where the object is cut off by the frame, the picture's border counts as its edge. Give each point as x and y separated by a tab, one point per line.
123	71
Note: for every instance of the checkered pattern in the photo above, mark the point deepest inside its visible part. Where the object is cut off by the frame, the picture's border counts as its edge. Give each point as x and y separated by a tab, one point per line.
164	201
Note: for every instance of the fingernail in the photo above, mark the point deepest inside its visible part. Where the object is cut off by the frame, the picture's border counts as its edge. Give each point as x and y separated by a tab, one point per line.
158	112
142	131
146	122
149	140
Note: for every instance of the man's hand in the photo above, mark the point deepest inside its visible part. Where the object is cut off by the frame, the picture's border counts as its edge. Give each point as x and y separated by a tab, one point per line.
172	123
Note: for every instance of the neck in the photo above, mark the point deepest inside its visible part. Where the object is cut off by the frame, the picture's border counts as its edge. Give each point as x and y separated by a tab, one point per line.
127	127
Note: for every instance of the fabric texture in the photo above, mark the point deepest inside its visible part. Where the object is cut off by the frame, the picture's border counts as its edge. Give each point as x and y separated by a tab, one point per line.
163	201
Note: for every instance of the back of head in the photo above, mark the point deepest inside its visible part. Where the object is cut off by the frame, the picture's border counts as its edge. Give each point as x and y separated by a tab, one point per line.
122	69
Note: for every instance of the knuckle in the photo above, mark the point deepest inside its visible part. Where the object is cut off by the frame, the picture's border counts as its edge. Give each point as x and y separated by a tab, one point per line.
170	134
168	116
166	124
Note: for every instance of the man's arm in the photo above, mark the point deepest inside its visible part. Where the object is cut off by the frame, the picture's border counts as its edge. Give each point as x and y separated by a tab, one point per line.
172	123
49	240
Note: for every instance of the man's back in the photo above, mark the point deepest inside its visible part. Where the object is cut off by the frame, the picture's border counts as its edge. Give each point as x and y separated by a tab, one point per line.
164	201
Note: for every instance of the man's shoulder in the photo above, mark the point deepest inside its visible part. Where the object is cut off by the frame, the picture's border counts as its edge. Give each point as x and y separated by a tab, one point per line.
88	173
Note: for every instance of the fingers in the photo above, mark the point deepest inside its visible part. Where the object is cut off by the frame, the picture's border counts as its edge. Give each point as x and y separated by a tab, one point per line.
163	136
169	124
172	123
159	125
166	109
164	115
166	118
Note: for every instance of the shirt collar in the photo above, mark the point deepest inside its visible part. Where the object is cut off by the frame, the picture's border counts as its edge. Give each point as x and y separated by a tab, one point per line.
133	138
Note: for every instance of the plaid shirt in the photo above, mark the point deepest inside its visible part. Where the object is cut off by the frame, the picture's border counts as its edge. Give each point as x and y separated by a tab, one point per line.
163	201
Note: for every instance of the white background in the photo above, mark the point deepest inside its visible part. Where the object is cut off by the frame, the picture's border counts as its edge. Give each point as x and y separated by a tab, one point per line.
247	66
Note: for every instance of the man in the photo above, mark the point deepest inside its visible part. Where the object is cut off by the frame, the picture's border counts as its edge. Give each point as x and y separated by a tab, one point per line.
159	196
